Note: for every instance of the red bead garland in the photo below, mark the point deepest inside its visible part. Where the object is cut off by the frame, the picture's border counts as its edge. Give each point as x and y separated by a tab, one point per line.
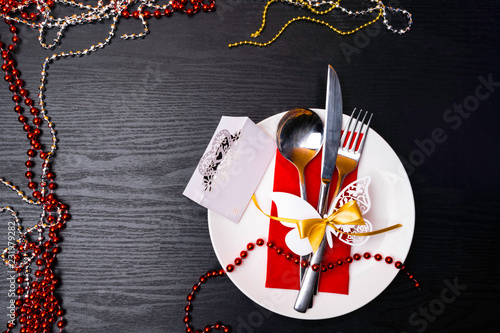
190	298
288	256
37	308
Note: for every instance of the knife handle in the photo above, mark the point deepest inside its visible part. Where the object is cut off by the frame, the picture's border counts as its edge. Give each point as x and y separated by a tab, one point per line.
309	282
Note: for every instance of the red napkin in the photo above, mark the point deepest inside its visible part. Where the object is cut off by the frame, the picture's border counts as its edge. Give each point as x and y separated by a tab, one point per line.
282	273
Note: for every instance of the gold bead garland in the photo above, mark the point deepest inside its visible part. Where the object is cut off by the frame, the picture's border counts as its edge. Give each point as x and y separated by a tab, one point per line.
379	8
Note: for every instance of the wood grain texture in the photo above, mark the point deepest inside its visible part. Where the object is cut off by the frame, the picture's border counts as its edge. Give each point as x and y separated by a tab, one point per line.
134	119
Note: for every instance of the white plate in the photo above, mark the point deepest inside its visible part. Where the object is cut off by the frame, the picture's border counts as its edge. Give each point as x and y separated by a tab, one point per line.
392	202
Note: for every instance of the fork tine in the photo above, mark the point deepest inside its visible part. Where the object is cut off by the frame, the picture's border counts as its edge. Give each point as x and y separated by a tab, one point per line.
357	131
353	130
346	129
364	132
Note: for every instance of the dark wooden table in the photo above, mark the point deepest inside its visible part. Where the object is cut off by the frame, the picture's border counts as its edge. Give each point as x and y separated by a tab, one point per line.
134	118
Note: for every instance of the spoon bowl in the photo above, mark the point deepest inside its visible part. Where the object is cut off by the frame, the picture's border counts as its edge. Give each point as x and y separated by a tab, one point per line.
299	138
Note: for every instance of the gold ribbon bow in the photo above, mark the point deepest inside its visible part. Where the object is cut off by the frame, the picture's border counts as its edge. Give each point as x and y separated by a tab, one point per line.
314	229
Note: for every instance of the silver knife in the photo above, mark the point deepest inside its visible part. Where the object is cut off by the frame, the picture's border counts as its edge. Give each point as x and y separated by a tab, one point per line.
332	131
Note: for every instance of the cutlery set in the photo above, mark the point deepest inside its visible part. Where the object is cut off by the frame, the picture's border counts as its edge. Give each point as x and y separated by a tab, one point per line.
299	137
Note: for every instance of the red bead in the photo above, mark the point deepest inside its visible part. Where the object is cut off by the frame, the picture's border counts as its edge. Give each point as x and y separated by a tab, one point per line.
135	14
315	267
243	254
157	13
259	242
323	269
19	279
188	308
330	266
126	14
377	257
28	174
196	287
32	185
270	244
288	256
207	329
349	260
340	262
226	330
187	319
168	12
278	250
250	246
190	297
304	264
229	268
221	272
237	261
37	121
356	256
416	285
146	14
203	279
398	264
367	255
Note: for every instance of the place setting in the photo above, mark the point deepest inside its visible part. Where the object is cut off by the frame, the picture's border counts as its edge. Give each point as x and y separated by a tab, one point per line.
247	166
325	197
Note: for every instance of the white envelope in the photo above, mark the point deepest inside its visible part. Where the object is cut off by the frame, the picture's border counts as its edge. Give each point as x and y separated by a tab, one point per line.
231	167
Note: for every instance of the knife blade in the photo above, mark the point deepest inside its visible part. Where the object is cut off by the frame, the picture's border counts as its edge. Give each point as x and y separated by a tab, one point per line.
332	131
